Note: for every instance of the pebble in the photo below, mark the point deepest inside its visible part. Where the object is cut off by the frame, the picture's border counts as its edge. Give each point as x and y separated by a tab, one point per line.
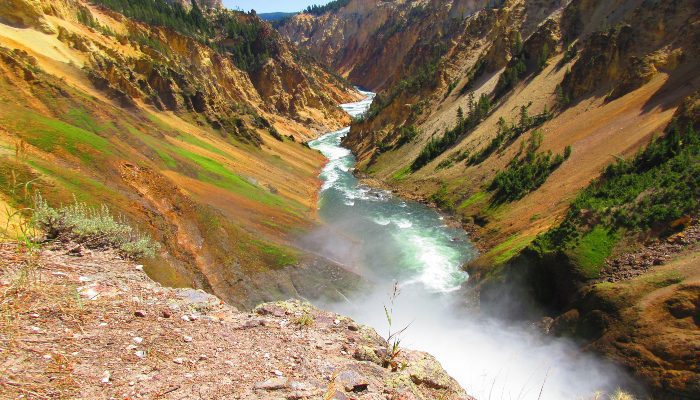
179	360
272	384
166	314
140	354
278	372
140	313
106	376
138	340
187	338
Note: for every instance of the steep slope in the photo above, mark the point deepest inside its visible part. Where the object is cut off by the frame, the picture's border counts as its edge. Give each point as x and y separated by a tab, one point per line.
200	147
503	113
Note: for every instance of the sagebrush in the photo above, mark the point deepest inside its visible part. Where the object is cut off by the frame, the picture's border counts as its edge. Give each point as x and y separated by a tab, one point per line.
93	227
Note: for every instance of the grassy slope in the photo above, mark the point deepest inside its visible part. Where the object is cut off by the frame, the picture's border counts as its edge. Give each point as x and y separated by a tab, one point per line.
212	200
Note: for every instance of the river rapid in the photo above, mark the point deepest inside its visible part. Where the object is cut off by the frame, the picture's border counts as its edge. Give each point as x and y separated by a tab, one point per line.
386	240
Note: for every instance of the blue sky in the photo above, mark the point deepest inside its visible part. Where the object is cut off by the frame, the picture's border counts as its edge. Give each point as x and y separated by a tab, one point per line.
263	6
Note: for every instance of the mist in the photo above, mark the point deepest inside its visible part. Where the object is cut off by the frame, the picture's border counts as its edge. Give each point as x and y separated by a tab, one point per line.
490	358
387	240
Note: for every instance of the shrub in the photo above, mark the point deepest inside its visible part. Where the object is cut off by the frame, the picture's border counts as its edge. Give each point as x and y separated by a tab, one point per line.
95	228
659	185
478	110
525	174
507	133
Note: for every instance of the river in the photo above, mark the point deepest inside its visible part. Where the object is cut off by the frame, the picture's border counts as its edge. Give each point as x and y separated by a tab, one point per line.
386	240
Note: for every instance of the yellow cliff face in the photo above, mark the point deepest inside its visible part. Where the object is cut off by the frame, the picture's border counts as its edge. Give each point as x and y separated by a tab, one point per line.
170	133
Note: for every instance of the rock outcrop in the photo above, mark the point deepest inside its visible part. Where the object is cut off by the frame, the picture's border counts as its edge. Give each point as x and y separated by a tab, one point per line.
100	328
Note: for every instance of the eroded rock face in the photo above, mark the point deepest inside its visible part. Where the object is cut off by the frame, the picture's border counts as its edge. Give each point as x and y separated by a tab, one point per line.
25	14
370	41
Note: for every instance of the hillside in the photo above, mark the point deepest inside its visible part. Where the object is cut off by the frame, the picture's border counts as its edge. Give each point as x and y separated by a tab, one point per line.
506	115
190	126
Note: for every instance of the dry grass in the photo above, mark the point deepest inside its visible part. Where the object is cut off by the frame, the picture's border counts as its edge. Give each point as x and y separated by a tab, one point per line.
30	307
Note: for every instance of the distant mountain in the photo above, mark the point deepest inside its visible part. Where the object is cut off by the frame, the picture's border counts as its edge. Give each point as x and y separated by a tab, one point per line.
276	16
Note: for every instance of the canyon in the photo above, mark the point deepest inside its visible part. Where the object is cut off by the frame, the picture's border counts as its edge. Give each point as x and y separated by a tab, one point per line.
475	99
526	177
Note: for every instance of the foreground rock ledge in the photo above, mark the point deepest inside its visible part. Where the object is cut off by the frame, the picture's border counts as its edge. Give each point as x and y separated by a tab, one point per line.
95	326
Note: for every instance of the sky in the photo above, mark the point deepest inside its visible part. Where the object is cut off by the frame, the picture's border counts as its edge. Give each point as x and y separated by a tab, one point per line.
264	6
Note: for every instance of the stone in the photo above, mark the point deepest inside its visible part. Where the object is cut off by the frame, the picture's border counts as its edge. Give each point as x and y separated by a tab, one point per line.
352	381
276	383
140	313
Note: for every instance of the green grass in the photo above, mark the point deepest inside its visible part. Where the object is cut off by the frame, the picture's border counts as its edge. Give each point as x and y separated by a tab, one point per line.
49	135
157	145
401	174
663	279
477	197
202	144
592	250
218	175
509	248
83	187
277	256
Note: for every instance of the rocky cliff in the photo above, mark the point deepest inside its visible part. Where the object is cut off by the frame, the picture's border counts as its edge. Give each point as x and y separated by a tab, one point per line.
180	128
505	115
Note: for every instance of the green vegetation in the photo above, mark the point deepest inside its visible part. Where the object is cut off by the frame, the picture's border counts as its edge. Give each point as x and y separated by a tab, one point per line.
658	186
473	199
525	174
406	135
509	248
507	133
304	320
94	228
329	7
245	39
592	250
478	110
514	70
202	144
218	175
443	199
50	135
278	256
163	13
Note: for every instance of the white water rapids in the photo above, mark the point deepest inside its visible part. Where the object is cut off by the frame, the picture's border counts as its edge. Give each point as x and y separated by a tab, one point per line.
388	239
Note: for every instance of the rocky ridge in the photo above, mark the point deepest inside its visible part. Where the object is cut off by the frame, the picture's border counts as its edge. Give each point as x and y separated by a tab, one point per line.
95	326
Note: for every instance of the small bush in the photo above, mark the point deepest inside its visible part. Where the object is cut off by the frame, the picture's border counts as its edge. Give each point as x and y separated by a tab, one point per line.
304	320
95	228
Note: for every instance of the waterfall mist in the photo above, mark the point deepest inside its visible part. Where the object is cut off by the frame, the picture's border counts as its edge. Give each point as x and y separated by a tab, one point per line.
388	240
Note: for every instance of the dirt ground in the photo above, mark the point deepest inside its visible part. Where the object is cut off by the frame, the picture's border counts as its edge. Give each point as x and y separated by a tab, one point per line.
90	325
